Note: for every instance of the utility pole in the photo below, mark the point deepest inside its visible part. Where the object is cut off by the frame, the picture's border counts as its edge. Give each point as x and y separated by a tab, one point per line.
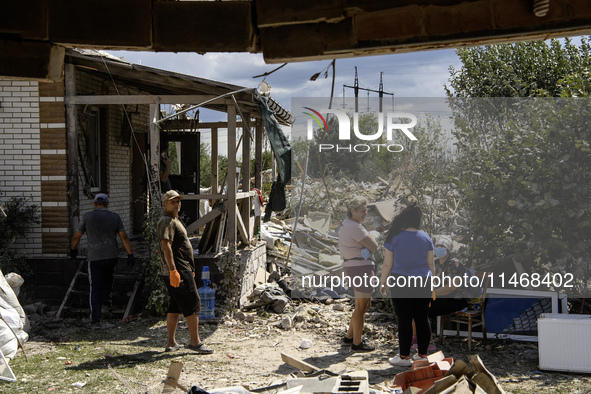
381	91
356	89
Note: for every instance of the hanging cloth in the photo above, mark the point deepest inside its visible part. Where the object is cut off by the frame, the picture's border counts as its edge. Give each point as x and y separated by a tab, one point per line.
282	151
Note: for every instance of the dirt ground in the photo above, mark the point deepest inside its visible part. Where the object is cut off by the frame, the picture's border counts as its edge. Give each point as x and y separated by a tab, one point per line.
65	356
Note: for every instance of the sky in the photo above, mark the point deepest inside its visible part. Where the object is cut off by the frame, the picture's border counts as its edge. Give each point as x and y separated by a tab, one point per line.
416	74
419	74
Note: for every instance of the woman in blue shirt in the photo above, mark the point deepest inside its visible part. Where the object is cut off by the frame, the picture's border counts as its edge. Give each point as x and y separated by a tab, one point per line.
406	274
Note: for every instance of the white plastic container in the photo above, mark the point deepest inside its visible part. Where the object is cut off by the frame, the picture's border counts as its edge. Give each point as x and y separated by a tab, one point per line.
564	342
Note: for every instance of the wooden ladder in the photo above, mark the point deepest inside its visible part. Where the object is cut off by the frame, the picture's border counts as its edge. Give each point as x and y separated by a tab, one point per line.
81	274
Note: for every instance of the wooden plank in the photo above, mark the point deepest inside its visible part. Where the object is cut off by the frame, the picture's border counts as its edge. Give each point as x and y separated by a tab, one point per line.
72	156
246	204
241	227
300	167
131	299
214	160
239	196
231	177
258	164
221	233
172	379
141	99
299	364
258	154
246	158
154	152
186	124
202	221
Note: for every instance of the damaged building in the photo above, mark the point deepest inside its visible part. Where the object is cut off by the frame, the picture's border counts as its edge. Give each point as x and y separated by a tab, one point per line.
102	130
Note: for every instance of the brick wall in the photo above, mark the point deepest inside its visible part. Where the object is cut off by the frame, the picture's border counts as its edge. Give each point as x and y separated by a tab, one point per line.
20	151
254	258
33	156
119	161
54	184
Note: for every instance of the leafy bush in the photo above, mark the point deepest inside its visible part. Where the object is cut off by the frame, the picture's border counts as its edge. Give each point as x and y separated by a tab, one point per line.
157	295
15	222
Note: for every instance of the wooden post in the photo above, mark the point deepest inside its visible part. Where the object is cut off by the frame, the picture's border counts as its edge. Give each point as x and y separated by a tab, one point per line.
258	163
231	231
245	209
72	156
214	160
154	154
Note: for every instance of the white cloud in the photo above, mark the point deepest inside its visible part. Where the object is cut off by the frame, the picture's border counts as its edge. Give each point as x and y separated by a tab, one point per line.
420	74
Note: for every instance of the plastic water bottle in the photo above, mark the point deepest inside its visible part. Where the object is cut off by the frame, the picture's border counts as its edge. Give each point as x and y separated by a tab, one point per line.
207	296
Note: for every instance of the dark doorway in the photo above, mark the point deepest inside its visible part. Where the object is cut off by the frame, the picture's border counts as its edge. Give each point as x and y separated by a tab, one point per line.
183	151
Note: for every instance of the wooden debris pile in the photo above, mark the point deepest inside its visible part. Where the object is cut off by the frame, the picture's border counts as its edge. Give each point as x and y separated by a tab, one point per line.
437	375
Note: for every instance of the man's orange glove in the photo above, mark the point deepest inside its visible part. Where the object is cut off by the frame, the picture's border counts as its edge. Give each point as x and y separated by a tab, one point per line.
175	278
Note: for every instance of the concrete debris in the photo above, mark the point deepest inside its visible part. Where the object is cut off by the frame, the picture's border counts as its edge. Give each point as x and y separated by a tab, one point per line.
310	246
268	295
305	344
318	221
247	317
327	260
239	315
286	322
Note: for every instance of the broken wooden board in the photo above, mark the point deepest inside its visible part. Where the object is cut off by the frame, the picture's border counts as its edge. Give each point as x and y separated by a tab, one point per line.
299	364
202	221
172	379
241	227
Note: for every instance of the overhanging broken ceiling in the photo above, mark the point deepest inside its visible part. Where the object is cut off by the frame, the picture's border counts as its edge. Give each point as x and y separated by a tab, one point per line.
33	33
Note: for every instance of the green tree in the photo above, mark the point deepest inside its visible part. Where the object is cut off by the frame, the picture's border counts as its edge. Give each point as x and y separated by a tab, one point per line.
173	156
524	164
525	69
266	158
205	164
425	172
346	161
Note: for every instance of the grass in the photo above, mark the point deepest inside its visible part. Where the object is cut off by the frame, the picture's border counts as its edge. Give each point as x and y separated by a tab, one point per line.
127	358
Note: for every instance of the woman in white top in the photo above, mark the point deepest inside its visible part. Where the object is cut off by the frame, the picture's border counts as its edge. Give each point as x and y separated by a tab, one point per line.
358	269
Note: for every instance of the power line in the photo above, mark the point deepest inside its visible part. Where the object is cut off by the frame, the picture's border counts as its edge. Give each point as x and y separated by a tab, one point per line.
356	89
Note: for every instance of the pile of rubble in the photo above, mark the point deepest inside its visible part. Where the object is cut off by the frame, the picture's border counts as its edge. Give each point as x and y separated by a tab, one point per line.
330	195
309	247
436	375
305	244
439	375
